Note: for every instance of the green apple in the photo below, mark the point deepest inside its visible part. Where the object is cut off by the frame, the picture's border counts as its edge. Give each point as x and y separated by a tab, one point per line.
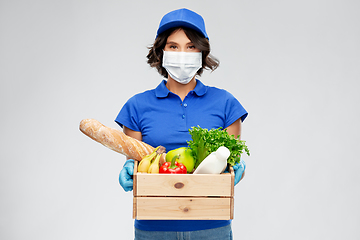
186	157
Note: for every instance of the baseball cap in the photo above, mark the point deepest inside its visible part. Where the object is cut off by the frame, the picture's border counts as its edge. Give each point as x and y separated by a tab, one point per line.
182	18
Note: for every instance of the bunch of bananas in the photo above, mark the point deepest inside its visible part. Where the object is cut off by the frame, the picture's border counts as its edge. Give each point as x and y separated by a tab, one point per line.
150	163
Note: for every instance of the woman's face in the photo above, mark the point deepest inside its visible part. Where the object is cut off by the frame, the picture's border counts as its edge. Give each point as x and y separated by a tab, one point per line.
179	42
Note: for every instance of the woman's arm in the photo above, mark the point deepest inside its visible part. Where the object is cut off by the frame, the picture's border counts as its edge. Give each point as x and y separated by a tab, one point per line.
132	133
235	129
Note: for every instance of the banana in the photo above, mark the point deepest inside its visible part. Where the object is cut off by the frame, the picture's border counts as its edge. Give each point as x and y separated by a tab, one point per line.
155	165
146	161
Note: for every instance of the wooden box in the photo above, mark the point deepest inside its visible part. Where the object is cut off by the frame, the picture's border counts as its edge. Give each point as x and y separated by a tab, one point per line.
183	196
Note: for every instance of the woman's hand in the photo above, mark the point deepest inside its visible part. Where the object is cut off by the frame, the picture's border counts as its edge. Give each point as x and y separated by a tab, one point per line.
239	169
126	175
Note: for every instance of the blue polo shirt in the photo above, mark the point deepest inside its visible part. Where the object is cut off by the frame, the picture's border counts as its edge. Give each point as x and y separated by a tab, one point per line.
164	119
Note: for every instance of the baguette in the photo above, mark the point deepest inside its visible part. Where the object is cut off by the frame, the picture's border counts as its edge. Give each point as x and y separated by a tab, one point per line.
115	139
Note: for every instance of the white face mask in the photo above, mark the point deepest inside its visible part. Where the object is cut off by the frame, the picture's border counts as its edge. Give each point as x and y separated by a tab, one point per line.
182	66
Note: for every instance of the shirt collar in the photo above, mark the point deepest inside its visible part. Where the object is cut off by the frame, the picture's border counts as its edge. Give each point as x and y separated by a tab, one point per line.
161	91
200	88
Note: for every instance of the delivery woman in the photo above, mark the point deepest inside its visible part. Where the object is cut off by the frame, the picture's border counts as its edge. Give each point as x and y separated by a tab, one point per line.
164	115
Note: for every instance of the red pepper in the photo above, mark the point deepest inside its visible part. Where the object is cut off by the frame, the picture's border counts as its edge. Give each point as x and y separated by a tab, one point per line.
173	167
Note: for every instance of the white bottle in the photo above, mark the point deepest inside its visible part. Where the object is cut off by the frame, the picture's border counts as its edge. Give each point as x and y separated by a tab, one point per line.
215	162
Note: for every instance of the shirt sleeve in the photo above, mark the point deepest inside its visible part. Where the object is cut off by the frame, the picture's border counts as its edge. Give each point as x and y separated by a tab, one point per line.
233	110
128	115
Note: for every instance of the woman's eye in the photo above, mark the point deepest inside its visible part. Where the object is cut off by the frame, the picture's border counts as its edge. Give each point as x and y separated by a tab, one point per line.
173	47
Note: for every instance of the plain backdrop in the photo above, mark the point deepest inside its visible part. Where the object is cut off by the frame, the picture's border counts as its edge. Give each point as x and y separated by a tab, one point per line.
294	65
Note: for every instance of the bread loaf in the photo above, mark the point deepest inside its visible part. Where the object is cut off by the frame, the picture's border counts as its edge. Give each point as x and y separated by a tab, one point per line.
115	139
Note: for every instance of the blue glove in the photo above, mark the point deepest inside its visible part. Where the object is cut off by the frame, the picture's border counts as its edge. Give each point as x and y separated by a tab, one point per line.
239	169
126	175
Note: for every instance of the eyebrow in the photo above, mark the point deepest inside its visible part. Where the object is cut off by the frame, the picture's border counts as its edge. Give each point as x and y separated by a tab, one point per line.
172	42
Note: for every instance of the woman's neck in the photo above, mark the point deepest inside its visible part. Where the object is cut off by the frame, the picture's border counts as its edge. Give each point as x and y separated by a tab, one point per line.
180	89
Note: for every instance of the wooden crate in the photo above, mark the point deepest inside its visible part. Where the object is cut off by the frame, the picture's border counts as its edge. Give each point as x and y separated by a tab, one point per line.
183	196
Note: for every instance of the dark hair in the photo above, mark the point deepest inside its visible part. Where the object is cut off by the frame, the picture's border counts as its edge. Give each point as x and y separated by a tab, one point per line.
155	54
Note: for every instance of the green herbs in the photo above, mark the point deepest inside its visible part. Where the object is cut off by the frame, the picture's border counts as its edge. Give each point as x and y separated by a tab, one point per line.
206	141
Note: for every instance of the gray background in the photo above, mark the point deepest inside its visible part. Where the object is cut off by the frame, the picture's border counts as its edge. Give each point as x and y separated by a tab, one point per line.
294	65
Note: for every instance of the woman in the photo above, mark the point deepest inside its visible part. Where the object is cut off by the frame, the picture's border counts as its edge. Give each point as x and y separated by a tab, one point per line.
164	115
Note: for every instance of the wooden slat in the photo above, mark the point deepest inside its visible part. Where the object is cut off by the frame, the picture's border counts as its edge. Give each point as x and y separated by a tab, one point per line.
183	185
232	208
134	188
232	180
134	207
184	208
135	178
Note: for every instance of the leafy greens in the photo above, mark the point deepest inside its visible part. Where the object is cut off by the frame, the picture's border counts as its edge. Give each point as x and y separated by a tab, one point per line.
206	141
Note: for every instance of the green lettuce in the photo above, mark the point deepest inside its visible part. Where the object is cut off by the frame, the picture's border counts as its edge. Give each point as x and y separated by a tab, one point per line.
206	141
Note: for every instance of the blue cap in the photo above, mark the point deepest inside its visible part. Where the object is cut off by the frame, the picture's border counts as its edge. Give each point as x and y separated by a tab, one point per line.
182	18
